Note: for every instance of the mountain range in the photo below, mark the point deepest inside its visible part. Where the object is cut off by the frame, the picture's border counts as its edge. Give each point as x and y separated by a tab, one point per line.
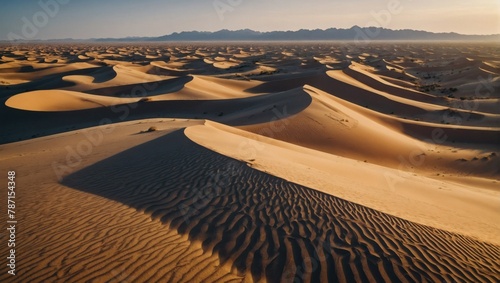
356	33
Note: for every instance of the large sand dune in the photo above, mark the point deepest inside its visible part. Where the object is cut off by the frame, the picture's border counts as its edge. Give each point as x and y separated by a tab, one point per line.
314	162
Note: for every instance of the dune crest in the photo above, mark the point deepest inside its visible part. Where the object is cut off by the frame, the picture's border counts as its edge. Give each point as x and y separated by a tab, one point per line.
383	189
246	162
62	100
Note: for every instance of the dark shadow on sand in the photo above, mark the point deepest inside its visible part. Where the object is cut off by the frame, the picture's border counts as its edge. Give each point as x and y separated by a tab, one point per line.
241	111
272	228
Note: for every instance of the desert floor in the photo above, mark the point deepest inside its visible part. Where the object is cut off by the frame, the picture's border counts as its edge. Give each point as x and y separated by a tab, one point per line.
263	162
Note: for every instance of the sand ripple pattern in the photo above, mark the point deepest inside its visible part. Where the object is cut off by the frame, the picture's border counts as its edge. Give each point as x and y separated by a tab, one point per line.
276	230
83	238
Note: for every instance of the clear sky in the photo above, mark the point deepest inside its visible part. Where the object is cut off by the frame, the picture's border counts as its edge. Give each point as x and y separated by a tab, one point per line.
31	19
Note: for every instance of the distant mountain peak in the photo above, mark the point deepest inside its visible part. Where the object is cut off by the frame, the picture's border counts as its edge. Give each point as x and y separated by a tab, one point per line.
355	33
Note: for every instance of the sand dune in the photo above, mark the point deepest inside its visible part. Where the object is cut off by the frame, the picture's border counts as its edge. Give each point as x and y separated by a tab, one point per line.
336	126
311	168
84	239
310	162
330	126
262	231
356	72
62	100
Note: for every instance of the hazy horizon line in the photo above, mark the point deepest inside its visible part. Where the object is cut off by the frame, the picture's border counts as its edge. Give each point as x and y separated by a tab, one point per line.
257	31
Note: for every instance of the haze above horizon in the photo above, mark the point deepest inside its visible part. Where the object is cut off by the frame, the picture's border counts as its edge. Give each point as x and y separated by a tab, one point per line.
56	19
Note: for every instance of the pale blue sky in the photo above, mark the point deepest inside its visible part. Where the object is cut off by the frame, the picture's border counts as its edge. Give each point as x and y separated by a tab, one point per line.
120	18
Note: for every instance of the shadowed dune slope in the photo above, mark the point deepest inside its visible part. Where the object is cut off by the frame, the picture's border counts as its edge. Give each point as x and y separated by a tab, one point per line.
97	240
277	230
53	119
253	162
331	124
66	235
